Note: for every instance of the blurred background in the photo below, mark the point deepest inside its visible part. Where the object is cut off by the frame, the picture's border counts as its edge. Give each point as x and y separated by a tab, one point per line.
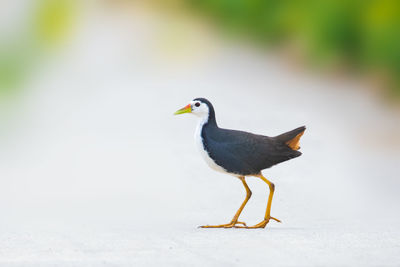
95	170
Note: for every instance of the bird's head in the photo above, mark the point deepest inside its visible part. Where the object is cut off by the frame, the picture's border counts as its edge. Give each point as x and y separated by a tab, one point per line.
199	106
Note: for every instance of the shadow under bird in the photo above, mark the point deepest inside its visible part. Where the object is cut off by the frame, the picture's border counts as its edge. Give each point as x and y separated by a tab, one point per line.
240	153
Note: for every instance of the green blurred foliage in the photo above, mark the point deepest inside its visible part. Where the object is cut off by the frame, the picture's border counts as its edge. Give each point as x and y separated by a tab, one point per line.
364	34
14	62
52	20
48	24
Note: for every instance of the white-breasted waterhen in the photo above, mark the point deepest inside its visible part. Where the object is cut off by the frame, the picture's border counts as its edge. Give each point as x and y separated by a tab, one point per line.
240	153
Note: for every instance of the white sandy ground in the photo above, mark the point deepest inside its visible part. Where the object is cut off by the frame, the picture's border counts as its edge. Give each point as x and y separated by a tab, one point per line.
95	170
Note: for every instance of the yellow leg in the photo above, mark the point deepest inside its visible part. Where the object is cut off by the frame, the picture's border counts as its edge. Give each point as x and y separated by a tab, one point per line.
267	216
235	218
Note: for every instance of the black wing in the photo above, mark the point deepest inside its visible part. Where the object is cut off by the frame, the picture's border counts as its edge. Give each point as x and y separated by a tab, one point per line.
245	153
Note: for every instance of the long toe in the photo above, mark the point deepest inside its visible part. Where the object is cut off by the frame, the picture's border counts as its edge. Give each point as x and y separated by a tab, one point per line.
275	219
261	224
228	225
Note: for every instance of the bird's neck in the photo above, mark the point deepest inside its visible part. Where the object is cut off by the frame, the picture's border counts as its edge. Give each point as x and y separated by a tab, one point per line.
207	120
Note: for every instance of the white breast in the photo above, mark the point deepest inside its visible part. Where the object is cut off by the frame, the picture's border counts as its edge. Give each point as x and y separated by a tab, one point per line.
199	143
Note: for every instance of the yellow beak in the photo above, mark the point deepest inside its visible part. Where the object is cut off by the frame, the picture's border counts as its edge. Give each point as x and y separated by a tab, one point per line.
186	109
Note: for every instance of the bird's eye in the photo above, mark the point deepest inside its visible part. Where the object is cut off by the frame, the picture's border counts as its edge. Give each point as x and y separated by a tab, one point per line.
197	104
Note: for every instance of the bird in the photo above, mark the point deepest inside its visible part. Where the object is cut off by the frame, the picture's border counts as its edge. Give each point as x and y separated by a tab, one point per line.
240	154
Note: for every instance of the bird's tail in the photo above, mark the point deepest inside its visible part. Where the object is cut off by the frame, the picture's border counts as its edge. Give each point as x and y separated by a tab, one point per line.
292	138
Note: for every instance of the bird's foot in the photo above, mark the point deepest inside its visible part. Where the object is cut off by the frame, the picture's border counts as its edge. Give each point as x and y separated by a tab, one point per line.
261	224
228	225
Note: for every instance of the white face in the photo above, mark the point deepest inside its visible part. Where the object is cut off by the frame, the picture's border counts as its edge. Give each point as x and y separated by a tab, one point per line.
199	108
